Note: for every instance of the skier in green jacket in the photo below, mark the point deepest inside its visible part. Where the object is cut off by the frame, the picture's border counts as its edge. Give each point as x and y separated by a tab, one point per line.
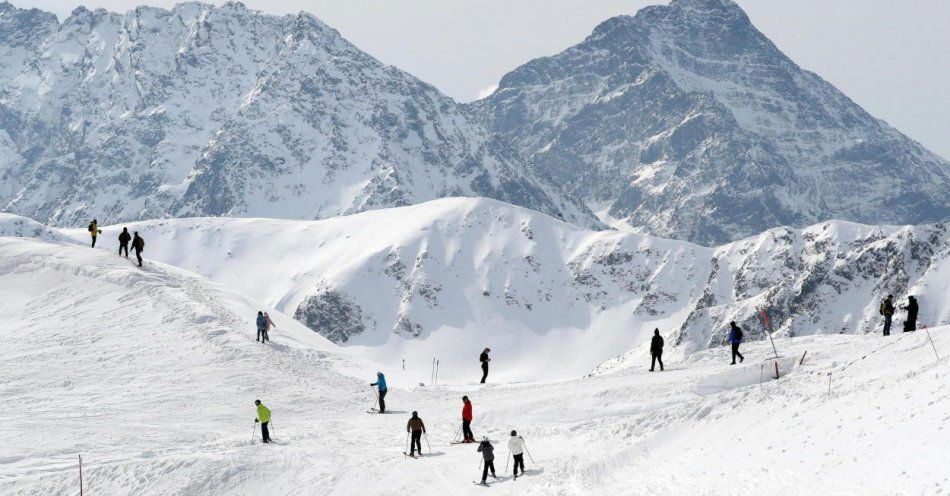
263	416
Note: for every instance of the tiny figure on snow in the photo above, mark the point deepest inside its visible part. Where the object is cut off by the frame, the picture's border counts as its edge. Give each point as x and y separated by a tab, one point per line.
735	339
887	310
381	386
910	325
484	359
467	436
416	428
488	457
138	246
94	231
516	446
656	350
124	238
263	416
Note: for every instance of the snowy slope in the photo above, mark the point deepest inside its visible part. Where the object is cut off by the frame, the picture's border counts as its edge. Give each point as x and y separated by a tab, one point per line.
460	274
204	110
150	376
686	121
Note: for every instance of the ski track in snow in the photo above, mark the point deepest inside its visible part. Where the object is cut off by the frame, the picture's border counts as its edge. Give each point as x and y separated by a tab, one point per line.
151	373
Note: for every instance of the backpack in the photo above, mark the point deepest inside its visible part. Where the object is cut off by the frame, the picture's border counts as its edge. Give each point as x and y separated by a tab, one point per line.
882	308
738	332
91	228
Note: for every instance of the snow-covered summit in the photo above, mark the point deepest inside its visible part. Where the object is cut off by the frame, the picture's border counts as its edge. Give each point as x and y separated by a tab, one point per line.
205	110
686	121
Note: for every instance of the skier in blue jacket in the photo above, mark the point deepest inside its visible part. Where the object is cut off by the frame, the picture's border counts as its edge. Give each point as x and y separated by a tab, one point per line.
735	338
381	384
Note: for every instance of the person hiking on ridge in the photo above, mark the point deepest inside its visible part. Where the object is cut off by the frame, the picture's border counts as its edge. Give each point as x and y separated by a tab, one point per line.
124	238
416	428
381	385
261	327
735	338
516	446
94	231
910	325
887	310
138	245
484	359
467	436
656	350
268	325
263	416
488	456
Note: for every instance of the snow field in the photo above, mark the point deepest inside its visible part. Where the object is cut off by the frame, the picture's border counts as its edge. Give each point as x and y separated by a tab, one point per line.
151	374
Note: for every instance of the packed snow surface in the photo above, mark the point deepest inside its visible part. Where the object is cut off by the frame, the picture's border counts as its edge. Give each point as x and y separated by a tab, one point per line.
150	374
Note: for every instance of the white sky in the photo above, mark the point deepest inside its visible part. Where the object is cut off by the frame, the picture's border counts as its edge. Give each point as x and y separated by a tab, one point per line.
890	56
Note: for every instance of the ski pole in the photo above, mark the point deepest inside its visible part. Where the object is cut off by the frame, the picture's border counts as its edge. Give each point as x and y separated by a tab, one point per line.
377	397
407	444
526	450
271	428
426	434
458	433
506	461
253	428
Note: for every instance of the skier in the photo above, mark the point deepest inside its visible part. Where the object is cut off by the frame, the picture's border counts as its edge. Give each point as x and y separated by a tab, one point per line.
124	238
94	231
138	245
416	427
381	384
656	350
735	338
910	325
467	436
516	446
270	325
488	456
263	416
484	359
887	310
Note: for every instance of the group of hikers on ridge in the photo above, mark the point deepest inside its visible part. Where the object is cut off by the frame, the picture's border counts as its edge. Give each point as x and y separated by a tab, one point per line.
887	310
138	244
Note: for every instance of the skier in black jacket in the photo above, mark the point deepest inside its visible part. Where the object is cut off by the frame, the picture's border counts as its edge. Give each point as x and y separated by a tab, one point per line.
124	238
484	359
910	325
138	246
656	350
887	310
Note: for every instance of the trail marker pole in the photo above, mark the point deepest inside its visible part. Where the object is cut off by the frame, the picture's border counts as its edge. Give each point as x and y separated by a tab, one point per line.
800	362
761	368
829	383
776	369
932	342
437	371
80	475
768	329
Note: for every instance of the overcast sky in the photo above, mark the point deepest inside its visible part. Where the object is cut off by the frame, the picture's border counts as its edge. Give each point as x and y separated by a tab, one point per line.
890	56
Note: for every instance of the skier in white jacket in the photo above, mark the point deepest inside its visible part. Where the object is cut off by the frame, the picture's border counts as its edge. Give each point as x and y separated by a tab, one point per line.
516	446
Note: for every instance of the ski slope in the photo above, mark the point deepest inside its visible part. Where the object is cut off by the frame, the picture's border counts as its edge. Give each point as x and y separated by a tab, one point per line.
151	374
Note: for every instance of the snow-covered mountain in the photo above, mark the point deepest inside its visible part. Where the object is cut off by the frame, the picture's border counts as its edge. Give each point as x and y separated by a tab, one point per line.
685	121
205	110
404	282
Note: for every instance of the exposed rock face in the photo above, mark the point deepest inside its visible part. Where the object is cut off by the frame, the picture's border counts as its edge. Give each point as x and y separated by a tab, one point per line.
685	121
205	110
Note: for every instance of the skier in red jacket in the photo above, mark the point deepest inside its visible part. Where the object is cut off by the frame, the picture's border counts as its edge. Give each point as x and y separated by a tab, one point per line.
468	437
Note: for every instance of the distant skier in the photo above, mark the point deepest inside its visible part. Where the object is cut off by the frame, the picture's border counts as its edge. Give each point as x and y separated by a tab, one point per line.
381	385
484	359
94	231
124	238
735	338
261	327
263	416
656	350
416	428
516	446
138	246
910	325
887	310
488	456
269	324
467	436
